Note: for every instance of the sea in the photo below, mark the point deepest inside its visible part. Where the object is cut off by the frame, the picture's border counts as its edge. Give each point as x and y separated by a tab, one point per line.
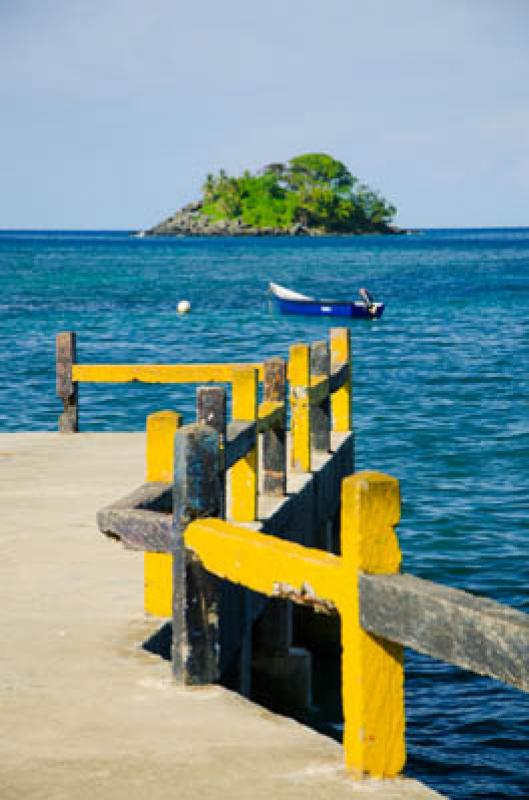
440	402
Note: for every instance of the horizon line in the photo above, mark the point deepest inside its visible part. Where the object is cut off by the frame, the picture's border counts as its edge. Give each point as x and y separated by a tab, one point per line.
134	230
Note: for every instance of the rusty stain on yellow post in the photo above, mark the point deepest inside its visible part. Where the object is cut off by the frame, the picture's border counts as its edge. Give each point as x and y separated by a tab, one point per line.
264	563
158	373
372	668
341	406
299	378
158	567
244	472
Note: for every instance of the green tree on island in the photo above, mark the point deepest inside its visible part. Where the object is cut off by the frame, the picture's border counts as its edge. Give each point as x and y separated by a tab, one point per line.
313	190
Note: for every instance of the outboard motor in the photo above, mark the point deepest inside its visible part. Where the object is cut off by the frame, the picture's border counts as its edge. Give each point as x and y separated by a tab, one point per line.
368	299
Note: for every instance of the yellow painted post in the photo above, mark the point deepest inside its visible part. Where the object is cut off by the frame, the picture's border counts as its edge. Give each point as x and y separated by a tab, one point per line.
372	668
341	400
299	379
158	567
244	477
244	486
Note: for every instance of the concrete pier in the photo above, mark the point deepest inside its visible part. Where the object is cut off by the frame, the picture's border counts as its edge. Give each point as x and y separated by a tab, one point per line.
86	713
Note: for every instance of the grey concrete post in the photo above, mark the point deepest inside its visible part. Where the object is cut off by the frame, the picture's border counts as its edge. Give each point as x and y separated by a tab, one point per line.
66	388
274	440
197	492
320	423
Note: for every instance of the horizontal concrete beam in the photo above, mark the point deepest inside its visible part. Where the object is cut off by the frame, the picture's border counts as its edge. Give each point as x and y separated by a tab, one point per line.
142	520
471	632
240	439
338	377
271	415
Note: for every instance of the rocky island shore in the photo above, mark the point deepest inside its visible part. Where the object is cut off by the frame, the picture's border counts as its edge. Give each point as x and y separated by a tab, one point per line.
312	195
192	221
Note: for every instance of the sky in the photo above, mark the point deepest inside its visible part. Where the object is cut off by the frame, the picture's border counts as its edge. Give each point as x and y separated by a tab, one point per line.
113	111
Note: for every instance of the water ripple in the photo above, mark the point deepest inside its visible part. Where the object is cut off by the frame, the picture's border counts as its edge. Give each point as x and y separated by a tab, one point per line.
440	388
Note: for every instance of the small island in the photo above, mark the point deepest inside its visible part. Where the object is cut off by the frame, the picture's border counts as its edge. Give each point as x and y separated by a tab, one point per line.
311	195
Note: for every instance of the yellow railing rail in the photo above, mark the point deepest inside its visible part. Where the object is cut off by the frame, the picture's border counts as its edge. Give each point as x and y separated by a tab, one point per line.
158	373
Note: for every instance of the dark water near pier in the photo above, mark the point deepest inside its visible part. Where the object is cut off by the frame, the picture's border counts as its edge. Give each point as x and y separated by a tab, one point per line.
441	402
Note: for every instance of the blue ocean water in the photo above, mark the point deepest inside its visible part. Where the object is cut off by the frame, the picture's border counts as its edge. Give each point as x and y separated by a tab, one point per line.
440	402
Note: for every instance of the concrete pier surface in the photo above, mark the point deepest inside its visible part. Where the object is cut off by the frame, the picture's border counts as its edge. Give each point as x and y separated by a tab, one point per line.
85	712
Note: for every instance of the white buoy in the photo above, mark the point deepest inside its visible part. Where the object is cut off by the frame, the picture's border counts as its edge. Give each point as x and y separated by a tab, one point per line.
183	307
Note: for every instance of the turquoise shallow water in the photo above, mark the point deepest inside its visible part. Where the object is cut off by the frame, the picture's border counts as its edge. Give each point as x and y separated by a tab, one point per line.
440	402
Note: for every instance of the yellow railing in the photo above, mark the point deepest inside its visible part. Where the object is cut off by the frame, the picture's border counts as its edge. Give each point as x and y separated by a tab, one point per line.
381	611
311	389
319	378
157	373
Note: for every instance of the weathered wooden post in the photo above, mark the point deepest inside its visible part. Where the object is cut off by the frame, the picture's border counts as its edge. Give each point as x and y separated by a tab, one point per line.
342	413
320	422
211	410
66	388
244	479
299	378
158	567
372	667
274	439
196	493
